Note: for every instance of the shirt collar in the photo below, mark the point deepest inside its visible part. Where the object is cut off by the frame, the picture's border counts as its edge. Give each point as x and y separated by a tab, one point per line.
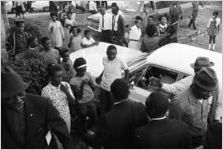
121	101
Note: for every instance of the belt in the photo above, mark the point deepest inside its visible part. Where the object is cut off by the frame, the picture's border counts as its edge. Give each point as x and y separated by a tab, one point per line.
133	40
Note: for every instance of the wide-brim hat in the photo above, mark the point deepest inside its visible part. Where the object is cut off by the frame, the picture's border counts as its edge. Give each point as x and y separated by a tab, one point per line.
202	62
206	79
11	83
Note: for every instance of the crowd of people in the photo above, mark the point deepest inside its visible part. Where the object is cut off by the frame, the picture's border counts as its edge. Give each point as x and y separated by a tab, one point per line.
186	114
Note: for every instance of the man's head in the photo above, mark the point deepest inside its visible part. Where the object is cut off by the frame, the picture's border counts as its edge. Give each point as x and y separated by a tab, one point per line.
14	88
46	43
138	21
53	16
111	52
56	72
119	90
157	105
215	14
34	42
115	9
80	66
204	83
75	30
65	54
20	25
151	30
150	20
87	34
200	63
69	14
103	10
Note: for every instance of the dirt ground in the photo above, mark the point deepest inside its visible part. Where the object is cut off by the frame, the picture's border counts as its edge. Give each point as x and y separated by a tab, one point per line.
41	20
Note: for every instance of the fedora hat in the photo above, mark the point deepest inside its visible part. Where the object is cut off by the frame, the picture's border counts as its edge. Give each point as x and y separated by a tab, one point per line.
12	83
202	62
206	79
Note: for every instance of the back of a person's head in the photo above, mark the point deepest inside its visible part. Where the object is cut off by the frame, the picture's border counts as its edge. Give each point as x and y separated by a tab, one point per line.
111	47
119	90
79	62
157	104
86	32
44	39
151	30
53	68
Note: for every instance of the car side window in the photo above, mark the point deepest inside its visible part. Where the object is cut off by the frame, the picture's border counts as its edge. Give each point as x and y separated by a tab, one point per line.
136	75
165	75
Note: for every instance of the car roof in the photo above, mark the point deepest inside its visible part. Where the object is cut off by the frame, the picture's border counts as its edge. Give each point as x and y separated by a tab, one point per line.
179	57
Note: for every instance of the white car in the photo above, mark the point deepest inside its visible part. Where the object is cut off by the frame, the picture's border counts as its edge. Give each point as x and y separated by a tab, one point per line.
170	62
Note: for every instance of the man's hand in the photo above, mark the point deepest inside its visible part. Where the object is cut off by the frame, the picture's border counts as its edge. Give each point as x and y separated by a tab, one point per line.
155	82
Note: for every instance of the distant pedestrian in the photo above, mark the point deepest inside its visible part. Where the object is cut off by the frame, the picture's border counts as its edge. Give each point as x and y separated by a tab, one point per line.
84	86
19	9
126	35
29	6
56	31
113	67
75	39
175	14
213	29
150	41
18	41
161	132
194	14
162	25
105	25
135	34
50	54
88	40
118	27
35	46
145	15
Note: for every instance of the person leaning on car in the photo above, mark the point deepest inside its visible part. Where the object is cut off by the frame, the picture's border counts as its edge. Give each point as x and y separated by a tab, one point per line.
176	88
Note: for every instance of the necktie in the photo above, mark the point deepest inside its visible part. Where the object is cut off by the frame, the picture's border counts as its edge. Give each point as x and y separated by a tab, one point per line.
103	22
113	22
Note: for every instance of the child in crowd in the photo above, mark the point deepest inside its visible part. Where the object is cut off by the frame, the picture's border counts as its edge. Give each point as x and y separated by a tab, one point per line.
88	40
34	45
163	25
83	86
170	37
213	29
67	65
113	67
75	39
50	54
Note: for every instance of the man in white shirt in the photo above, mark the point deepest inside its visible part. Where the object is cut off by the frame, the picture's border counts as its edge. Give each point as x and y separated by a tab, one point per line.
135	34
105	25
113	67
92	7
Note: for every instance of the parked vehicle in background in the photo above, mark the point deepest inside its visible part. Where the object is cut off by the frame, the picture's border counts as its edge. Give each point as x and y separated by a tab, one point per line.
131	9
171	63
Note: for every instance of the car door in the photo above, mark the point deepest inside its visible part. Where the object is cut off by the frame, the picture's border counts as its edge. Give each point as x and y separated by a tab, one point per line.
141	88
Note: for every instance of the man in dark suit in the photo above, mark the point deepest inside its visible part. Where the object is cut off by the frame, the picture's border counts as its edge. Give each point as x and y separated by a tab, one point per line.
116	129
26	119
160	132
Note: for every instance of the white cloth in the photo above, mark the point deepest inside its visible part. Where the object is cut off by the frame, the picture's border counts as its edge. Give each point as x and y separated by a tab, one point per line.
86	41
92	6
57	34
70	22
112	70
218	21
107	22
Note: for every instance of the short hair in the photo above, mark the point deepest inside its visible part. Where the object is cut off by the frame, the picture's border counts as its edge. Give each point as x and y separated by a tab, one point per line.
119	89
110	47
138	18
151	17
151	30
53	68
215	13
44	39
63	51
157	104
114	4
86	32
78	29
78	62
53	14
